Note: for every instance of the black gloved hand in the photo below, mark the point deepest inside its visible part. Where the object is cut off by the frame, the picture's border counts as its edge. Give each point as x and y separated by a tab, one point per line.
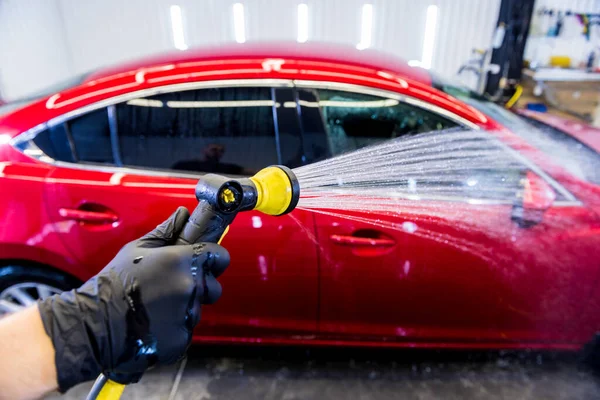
139	311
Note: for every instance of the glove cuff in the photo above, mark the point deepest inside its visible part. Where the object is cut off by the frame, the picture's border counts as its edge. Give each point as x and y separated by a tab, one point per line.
76	357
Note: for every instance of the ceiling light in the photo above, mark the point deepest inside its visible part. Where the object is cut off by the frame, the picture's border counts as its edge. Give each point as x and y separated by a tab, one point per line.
366	27
145	103
302	23
177	27
429	39
239	24
220	104
5	138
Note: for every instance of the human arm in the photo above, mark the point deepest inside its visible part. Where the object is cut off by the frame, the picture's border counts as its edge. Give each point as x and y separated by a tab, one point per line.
27	369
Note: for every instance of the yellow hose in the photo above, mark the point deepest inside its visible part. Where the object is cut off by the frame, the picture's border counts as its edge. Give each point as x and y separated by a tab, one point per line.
111	391
515	97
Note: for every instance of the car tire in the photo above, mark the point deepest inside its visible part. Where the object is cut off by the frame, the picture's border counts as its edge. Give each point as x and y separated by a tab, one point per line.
21	286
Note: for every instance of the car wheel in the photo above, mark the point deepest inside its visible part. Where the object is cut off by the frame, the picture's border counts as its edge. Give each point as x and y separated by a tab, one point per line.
22	286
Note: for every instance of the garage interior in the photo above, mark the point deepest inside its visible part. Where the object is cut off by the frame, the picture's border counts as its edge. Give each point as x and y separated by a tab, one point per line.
536	60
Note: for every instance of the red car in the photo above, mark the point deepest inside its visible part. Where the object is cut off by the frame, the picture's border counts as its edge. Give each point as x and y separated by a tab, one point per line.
89	167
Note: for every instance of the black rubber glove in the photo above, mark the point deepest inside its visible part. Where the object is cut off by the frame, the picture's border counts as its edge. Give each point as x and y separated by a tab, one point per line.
139	311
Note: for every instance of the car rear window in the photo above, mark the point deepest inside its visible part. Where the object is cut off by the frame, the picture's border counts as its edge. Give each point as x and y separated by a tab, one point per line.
91	135
54	142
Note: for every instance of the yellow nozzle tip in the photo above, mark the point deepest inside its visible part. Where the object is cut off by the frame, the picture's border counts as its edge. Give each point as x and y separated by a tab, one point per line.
227	196
111	391
277	190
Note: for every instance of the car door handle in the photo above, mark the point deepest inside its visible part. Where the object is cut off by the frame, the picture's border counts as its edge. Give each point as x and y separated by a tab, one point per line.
356	241
96	217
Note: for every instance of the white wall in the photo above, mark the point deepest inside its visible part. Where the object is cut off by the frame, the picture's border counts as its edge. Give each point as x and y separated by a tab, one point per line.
32	47
44	41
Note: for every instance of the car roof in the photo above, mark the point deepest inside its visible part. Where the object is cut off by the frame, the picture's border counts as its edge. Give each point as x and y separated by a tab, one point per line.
325	52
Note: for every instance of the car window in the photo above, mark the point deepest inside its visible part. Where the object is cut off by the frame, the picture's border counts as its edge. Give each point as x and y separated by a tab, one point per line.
91	135
221	130
355	120
55	143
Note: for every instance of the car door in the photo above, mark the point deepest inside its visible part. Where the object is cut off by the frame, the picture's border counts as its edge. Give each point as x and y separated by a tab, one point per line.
451	270
136	161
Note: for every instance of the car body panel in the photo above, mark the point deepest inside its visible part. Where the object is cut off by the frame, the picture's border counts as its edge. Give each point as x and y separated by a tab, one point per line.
580	130
587	135
27	234
468	273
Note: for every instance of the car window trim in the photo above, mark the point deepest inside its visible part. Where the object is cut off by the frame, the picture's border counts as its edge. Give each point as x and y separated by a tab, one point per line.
111	113
71	142
276	125
300	117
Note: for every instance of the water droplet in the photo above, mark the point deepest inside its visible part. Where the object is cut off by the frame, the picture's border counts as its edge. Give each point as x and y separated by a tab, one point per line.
412	185
409	227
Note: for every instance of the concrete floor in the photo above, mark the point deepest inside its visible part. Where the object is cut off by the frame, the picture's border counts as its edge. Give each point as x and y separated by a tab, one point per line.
313	373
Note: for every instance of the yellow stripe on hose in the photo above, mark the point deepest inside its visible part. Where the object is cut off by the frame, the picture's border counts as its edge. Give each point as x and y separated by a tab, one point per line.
518	92
111	391
223	235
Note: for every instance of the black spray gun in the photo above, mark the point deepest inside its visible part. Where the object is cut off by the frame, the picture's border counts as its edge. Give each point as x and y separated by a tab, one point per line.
273	190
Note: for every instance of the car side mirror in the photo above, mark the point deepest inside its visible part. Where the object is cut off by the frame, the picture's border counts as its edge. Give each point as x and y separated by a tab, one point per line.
535	197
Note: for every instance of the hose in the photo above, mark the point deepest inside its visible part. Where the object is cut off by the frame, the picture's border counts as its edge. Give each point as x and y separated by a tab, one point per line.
105	389
515	97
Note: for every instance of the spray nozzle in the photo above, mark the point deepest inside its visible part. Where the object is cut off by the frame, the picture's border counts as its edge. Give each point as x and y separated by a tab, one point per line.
273	190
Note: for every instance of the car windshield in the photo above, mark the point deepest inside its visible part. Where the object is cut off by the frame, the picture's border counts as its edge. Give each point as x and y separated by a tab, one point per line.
576	157
48	91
